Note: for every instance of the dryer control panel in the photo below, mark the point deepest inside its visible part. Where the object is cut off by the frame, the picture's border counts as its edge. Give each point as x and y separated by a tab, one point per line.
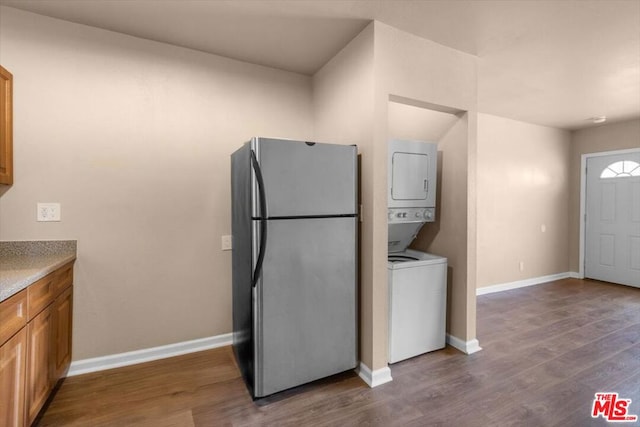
404	215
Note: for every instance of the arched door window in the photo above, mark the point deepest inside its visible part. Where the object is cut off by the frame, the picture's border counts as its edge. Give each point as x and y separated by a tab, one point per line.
622	169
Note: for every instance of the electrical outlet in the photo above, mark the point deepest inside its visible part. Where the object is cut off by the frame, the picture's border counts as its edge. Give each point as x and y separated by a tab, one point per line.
48	212
226	243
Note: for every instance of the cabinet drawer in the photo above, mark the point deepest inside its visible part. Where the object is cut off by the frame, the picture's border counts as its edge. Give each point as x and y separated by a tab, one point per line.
63	278
13	315
41	294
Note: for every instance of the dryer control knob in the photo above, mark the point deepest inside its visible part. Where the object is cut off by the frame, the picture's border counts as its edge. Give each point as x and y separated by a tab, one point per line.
390	215
428	214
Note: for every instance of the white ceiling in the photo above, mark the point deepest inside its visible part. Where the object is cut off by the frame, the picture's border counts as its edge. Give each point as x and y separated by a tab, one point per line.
555	63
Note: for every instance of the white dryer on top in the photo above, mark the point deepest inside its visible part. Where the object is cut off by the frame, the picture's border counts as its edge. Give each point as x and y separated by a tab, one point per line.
412	175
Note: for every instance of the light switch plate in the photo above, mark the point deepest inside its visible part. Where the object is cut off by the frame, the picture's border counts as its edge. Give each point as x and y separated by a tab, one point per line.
226	243
48	212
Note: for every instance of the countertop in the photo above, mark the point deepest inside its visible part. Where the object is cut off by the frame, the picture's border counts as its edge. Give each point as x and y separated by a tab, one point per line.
24	262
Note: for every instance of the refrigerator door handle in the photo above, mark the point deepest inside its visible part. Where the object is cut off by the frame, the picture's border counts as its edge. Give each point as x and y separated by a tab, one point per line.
263	219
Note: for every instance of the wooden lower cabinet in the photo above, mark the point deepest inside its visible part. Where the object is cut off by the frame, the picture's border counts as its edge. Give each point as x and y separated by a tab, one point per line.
62	327
13	358
39	384
37	354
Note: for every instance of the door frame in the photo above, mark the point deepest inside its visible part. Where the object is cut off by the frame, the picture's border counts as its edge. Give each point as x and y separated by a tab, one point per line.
583	199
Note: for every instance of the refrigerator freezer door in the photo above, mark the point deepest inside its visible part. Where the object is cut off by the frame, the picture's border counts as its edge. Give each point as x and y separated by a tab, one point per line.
306	303
307	179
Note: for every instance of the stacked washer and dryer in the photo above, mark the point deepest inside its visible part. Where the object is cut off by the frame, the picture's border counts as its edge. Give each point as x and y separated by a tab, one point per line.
417	280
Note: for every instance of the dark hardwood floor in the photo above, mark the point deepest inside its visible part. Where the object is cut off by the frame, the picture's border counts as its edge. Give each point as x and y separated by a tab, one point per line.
547	350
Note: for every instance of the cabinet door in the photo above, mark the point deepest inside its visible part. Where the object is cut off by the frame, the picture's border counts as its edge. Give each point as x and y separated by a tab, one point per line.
39	334
62	324
6	127
13	357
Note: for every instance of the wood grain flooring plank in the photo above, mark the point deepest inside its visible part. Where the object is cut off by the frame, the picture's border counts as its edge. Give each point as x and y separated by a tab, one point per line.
283	406
546	350
560	387
541	409
588	311
616	369
629	388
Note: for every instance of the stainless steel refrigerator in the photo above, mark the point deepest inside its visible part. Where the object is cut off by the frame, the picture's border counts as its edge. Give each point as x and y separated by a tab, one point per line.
294	226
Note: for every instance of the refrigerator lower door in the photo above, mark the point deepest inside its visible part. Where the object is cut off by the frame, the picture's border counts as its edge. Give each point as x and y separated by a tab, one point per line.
306	303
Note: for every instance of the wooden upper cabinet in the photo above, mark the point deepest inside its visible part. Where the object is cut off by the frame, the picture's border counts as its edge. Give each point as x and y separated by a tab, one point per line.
6	127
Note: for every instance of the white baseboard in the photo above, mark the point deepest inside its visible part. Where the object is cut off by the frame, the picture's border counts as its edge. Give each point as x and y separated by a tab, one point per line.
523	283
147	355
575	275
374	378
467	347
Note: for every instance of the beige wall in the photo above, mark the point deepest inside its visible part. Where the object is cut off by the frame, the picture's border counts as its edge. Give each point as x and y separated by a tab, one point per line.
410	122
608	137
523	200
133	138
424	73
343	112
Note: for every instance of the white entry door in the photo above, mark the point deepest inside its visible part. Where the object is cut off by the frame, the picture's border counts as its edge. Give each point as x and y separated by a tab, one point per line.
612	229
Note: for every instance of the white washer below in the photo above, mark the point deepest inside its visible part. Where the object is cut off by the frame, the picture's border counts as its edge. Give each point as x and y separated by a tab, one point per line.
417	303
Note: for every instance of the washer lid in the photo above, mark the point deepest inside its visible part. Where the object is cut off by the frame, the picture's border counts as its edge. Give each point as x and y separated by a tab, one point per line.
401	235
401	258
412	258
